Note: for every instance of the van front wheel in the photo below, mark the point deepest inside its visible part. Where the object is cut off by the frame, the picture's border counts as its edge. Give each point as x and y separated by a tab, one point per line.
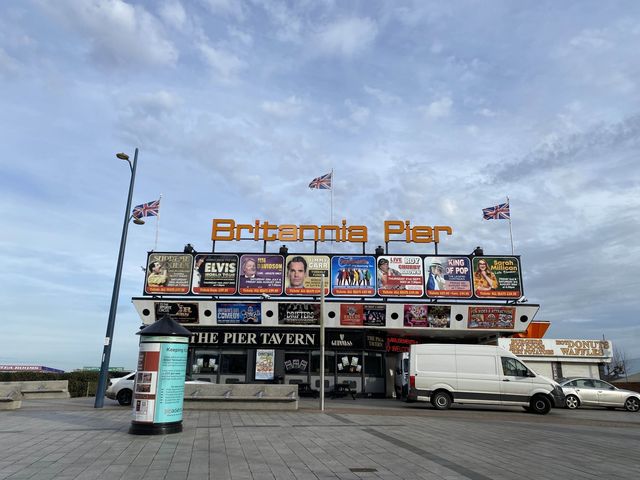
441	400
540	404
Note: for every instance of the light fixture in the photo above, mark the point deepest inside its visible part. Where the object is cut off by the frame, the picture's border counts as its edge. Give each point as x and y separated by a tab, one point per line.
284	250
478	252
188	248
138	221
379	250
122	156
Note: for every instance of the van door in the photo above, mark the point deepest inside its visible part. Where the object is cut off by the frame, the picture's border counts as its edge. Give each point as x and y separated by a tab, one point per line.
516	383
478	380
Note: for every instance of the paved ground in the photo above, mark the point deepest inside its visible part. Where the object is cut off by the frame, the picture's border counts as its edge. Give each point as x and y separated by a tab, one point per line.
69	439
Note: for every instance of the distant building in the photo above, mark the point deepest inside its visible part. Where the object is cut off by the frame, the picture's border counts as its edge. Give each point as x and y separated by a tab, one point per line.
29	368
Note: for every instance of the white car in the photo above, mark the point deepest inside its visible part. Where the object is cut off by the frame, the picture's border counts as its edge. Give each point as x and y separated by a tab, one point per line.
121	389
593	392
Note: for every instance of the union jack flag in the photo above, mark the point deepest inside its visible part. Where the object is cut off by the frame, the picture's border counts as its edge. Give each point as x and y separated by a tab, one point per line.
323	182
499	212
151	209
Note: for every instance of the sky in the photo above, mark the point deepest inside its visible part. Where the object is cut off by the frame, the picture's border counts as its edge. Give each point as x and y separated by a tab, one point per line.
426	111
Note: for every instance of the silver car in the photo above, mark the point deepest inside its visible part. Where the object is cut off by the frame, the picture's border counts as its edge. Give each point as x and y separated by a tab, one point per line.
593	392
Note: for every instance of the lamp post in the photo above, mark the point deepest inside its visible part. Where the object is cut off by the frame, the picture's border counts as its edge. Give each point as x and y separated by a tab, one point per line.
106	353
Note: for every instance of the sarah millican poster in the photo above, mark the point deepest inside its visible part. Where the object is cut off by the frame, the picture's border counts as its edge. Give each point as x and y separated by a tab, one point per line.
496	277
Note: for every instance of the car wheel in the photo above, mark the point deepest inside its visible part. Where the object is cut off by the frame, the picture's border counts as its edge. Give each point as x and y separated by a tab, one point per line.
540	405
572	402
441	400
527	409
124	397
632	404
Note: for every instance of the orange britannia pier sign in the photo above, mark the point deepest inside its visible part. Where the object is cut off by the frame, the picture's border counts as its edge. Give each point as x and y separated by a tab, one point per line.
225	229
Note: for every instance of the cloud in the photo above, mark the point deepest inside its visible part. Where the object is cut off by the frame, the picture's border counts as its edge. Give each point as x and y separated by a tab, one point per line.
119	34
227	8
383	97
225	64
439	108
347	37
291	107
8	64
173	14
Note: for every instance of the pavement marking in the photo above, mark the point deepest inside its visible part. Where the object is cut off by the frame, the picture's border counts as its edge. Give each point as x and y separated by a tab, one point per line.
429	456
340	418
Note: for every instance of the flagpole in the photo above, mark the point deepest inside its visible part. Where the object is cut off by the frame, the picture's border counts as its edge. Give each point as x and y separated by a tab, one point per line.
332	182
155	246
510	230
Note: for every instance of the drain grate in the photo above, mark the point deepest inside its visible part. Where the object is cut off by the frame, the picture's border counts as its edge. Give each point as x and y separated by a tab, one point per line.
363	470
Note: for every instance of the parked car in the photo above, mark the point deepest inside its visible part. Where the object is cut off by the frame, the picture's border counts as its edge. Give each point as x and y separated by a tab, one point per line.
121	389
593	392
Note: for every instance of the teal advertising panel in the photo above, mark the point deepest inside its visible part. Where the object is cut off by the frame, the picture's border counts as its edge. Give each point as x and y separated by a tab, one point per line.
171	375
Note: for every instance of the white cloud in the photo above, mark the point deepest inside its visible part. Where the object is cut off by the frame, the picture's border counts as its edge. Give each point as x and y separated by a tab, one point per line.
119	34
347	37
173	14
291	107
382	96
226	65
439	108
229	8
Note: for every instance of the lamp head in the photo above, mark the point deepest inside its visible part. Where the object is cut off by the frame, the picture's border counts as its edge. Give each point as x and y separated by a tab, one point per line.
138	221
122	156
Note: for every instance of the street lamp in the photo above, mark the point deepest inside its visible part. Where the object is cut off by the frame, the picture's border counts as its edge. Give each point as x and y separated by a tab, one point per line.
106	353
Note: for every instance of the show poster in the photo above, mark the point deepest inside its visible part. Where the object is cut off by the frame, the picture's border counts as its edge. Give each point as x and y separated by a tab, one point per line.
159	386
214	274
496	277
303	274
492	317
238	314
359	315
439	316
265	364
179	311
168	273
448	277
416	316
400	276
260	274
353	276
299	314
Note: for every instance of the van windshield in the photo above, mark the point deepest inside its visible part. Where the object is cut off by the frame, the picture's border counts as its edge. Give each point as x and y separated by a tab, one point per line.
514	368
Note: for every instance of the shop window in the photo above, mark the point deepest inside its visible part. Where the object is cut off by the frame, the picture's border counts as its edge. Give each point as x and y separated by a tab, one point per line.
373	365
329	363
349	363
233	363
296	363
205	361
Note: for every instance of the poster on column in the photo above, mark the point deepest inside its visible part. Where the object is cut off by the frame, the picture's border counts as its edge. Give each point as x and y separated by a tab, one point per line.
400	276
353	276
448	277
260	274
159	387
214	274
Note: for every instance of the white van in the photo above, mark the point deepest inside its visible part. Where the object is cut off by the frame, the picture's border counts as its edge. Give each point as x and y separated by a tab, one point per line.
480	374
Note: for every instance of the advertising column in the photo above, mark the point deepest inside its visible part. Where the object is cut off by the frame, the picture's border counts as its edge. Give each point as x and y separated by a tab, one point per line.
159	384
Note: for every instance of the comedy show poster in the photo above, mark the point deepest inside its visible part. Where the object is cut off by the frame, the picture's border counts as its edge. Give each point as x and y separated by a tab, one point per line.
400	276
448	277
353	276
168	273
497	277
238	313
303	274
214	274
260	274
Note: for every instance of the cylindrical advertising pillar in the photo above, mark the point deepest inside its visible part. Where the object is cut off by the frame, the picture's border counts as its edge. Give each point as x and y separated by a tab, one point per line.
158	392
